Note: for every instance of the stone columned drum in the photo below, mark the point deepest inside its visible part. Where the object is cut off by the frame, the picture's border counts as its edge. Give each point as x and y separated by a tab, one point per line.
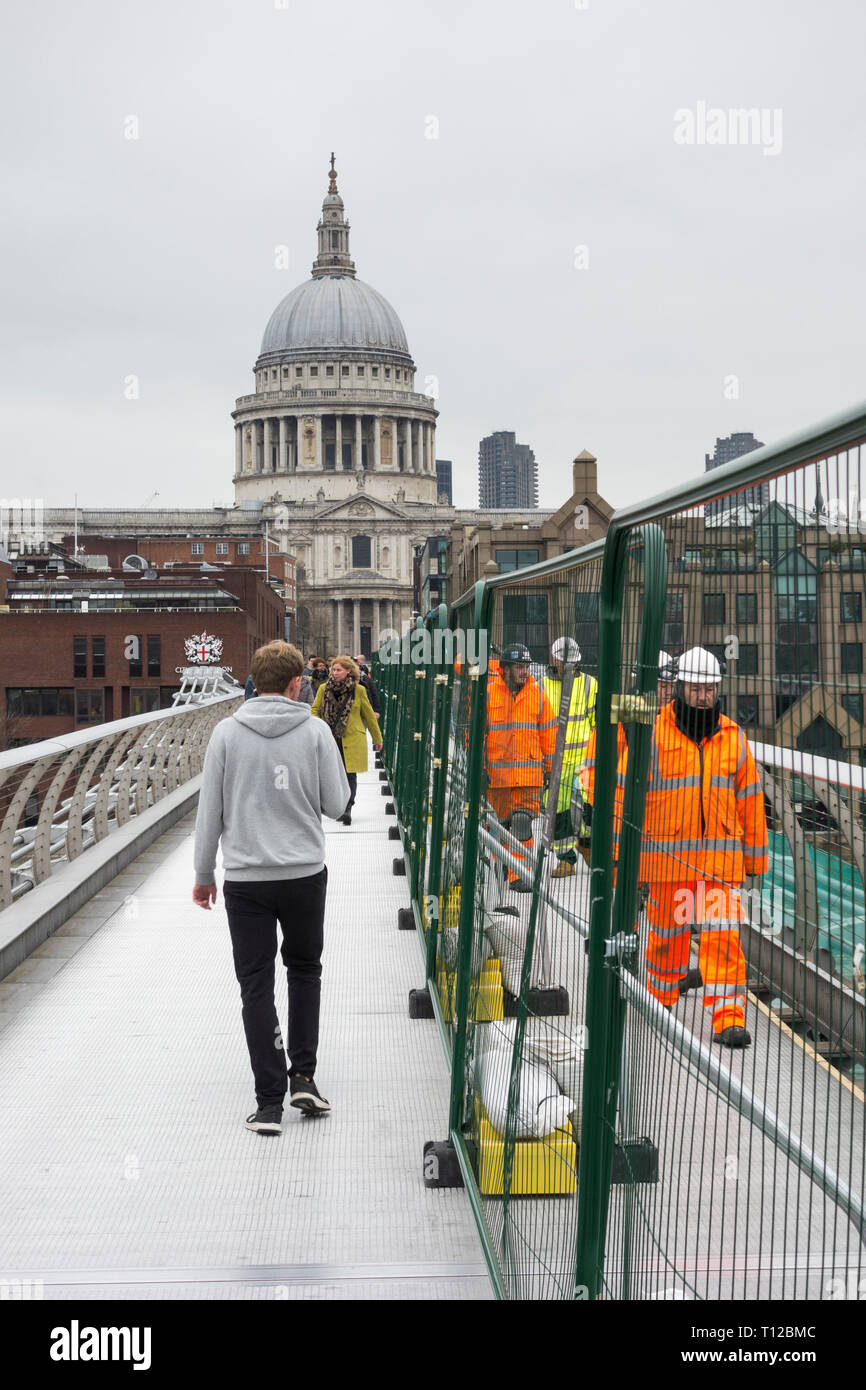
338	449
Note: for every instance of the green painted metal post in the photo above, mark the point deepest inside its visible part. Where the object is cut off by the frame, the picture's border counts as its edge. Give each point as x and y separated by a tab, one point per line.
604	1011
442	707
477	728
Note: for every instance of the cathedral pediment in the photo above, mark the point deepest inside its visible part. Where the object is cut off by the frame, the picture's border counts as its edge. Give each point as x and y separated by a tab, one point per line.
360	508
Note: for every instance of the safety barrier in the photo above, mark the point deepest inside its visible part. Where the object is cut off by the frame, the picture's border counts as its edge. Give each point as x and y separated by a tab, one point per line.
610	1145
60	796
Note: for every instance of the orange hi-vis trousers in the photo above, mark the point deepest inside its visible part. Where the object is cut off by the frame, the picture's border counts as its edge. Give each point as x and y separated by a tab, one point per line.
716	908
504	800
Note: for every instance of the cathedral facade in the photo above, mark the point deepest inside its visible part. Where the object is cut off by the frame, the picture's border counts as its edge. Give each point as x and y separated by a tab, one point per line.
338	450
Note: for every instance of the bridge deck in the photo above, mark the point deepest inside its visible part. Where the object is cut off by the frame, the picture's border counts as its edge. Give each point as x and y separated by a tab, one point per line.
126	1168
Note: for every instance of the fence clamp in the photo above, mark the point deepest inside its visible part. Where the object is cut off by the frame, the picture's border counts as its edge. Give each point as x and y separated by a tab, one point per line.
622	945
474	672
437	762
420	673
441	679
633	709
417	737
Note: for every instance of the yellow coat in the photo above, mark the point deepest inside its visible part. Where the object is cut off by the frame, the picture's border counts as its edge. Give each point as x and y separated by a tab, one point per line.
354	739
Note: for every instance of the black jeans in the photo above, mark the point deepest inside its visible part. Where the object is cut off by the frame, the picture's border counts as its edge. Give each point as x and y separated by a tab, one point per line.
351	777
254	909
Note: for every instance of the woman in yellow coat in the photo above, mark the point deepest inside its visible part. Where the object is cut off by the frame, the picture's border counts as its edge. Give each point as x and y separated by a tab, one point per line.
344	705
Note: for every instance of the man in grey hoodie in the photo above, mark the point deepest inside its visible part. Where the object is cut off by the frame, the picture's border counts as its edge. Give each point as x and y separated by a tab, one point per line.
270	773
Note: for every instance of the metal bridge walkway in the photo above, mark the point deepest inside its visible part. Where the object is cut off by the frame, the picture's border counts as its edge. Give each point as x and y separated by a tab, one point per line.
126	1168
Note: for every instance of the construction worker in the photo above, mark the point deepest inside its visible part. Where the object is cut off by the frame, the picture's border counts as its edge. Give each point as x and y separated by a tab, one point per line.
521	738
581	722
704	832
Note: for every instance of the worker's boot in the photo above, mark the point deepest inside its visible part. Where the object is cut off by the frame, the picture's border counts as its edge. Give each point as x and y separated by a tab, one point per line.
734	1036
564	869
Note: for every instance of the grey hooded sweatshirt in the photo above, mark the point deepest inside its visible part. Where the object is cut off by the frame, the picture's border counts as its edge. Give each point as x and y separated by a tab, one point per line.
270	773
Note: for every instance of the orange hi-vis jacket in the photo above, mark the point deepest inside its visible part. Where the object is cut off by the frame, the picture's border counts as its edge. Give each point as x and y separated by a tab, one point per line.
704	812
521	734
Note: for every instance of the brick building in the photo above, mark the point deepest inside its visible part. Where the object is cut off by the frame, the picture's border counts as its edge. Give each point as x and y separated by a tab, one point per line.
80	647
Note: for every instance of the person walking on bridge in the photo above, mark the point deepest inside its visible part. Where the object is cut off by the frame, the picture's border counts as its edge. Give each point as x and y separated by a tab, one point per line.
580	722
270	773
704	832
521	738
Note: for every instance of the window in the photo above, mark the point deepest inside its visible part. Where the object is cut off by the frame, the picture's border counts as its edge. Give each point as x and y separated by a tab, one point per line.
387	373
45	701
166	696
197	548
747	608
314	371
360	371
850	702
135	661
330	454
515	559
361	552
747	661
852	658
335	241
243	547
154	654
747	710
89	707
329	371
851	605
691	557
524	619
674	608
285	371
222	548
374	371
97	656
714	609
299	371
345	371
79	656
143	701
586	608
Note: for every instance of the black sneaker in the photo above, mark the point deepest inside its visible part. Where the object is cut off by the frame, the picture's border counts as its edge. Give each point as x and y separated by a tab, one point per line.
305	1097
734	1036
267	1120
518	886
345	818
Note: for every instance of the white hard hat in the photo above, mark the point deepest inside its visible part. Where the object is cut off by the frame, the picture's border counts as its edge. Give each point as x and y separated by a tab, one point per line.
699	666
667	667
563	645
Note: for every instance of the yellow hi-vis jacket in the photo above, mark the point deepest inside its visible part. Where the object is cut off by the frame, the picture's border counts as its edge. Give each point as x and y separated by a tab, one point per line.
581	722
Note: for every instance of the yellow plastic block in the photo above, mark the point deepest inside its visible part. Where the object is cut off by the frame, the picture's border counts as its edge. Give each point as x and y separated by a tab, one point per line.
540	1167
489	998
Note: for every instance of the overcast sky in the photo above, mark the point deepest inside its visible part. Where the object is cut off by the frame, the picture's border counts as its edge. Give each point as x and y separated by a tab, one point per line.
555	127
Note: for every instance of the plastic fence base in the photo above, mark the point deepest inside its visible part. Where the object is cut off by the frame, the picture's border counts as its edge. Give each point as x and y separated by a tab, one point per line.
386	789
405	915
635	1160
488	997
383	777
393	832
540	1167
441	1165
540	1002
389	809
420	1004
398	868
